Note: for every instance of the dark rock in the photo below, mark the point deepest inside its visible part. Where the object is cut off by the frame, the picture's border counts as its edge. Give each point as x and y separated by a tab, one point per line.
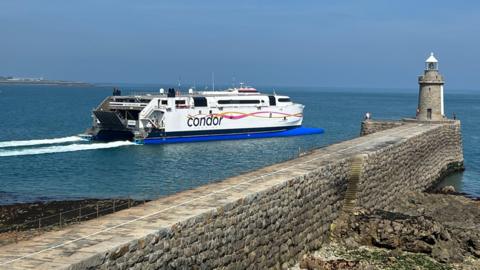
474	247
418	246
444	227
440	254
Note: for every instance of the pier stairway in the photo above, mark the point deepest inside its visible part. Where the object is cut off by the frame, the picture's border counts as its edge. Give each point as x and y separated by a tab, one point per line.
352	186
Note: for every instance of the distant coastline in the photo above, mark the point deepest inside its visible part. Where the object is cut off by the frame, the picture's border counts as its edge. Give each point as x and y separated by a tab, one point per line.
40	81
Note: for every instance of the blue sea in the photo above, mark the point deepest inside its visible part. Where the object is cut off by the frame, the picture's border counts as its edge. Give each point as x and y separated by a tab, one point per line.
73	169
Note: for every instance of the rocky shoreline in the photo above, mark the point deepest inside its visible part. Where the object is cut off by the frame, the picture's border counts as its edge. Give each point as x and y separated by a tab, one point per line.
24	220
420	231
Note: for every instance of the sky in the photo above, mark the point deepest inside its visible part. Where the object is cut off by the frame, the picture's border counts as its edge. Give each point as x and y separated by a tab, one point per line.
350	43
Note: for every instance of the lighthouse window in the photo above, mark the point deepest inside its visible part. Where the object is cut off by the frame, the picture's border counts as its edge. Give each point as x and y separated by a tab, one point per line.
239	101
283	100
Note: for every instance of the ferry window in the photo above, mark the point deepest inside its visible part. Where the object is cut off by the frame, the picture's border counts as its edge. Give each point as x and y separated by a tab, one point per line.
179	102
272	100
164	102
199	101
239	101
283	100
224	101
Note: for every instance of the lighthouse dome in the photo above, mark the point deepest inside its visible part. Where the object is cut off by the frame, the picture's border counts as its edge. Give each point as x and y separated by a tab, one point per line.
431	59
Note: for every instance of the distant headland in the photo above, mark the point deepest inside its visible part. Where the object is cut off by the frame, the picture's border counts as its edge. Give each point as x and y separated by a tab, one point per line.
39	81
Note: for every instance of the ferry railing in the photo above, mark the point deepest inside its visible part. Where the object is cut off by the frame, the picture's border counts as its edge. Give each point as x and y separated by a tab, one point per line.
145	94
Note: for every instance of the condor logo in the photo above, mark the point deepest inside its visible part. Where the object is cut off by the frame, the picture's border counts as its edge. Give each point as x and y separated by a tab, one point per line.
204	121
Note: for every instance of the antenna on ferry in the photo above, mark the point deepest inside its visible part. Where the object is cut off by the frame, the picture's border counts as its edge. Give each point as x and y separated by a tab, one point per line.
179	82
213	81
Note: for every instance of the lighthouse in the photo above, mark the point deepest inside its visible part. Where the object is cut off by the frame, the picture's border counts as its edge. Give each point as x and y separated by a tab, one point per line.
430	96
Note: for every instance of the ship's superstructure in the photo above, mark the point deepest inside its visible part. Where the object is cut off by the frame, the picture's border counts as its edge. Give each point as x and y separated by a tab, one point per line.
172	115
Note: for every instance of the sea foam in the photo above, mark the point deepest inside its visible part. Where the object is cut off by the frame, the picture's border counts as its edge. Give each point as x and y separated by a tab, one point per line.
41	142
62	148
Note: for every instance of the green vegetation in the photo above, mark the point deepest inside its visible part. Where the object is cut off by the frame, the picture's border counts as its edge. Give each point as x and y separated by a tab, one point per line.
388	260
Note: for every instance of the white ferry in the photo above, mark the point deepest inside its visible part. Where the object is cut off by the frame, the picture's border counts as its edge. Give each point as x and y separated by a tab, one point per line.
172	116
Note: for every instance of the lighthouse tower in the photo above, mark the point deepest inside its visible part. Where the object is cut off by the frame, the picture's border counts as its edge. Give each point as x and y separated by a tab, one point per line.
430	97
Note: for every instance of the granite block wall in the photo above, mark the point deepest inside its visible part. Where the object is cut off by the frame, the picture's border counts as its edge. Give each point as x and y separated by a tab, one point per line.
272	228
411	165
372	126
266	230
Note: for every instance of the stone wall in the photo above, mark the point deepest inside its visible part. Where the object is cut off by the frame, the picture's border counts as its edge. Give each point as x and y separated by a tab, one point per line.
415	164
271	229
266	230
372	126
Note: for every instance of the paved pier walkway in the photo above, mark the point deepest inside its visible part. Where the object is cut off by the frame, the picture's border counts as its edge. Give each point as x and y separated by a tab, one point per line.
76	243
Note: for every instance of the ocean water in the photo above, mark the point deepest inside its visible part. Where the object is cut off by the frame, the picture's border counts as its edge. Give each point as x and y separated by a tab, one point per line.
41	158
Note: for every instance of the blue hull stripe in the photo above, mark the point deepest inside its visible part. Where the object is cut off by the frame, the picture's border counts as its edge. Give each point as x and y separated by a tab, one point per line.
217	132
286	133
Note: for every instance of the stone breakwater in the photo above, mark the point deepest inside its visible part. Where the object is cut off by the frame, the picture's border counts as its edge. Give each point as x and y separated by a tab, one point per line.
372	126
267	218
414	165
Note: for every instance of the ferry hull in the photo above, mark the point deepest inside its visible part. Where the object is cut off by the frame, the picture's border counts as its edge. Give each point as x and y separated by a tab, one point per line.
112	135
293	131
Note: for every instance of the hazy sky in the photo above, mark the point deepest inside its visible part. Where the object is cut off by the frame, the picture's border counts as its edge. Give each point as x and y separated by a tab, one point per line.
308	43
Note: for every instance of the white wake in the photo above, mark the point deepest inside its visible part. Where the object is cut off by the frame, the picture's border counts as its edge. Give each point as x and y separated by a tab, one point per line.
63	148
41	142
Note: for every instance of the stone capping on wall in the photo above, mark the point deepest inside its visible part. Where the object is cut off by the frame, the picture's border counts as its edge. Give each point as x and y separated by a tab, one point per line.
445	121
370	126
